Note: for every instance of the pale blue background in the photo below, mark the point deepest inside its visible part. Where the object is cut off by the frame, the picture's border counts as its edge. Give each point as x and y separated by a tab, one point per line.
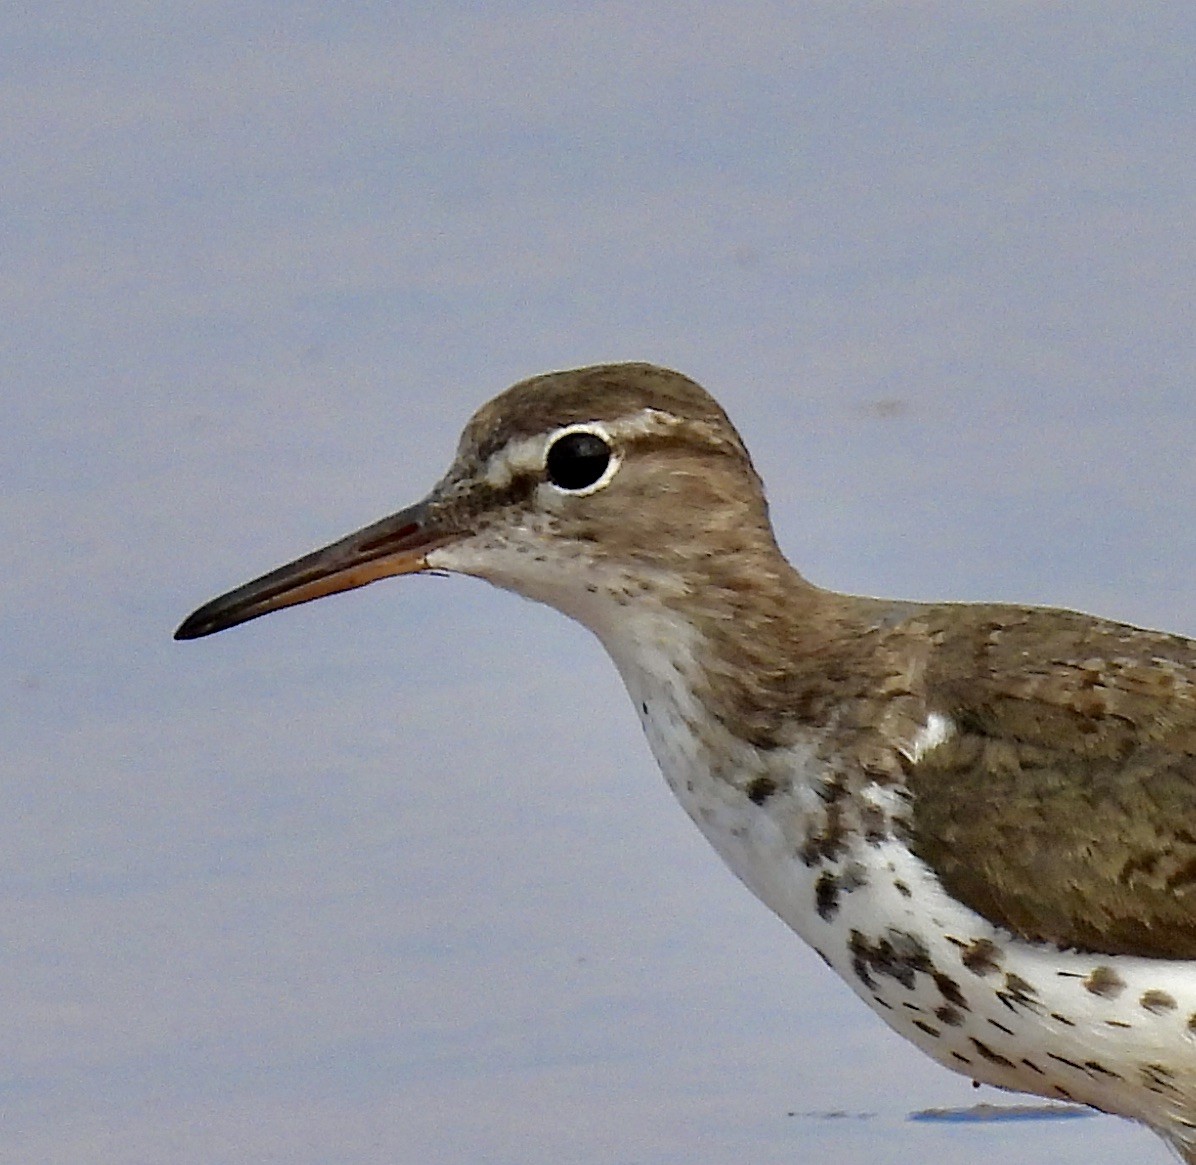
393	878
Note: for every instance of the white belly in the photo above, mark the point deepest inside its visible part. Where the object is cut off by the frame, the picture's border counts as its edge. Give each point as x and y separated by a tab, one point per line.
1016	1015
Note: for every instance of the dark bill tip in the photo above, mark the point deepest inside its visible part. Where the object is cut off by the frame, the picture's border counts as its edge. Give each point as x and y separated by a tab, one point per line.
396	545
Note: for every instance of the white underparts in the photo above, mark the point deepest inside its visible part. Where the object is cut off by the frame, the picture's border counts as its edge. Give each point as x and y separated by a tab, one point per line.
1118	1034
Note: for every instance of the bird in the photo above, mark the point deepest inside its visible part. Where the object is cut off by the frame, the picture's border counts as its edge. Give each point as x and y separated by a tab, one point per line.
982	816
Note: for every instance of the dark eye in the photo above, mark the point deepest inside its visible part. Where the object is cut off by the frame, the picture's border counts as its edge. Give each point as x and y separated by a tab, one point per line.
577	460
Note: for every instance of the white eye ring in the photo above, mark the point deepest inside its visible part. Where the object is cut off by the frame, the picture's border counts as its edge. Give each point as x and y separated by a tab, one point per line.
580	459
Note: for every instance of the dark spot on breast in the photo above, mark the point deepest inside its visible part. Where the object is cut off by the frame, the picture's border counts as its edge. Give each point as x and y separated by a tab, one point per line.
644	707
1099	1068
1001	1027
1157	1002
874	824
949	990
1064	1020
982	957
898	954
1105	982
951	1016
826	840
1017	993
760	789
1033	1067
961	1058
860	966
927	1028
832	791
991	1056
1158	1078
826	895
1065	1060
902	889
829	886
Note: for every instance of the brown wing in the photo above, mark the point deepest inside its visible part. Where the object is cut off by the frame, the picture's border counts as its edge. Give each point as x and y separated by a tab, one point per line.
1064	808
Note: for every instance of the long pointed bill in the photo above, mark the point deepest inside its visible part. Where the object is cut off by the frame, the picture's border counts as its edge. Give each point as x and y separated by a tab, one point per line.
396	545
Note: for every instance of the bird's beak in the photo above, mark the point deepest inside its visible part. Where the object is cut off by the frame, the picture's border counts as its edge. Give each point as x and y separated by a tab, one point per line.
396	545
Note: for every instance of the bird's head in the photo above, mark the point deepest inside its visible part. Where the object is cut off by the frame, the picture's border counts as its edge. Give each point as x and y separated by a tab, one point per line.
582	489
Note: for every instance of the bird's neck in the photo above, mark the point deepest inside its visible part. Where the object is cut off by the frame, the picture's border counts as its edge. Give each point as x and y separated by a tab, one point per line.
741	641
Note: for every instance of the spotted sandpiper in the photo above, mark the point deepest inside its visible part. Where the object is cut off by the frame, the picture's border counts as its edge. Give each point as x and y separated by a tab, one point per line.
983	817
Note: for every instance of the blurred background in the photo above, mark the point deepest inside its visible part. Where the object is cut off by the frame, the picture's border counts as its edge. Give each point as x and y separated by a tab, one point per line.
393	878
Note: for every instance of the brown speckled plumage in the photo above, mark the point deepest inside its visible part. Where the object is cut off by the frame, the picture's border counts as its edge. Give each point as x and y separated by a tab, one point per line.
982	816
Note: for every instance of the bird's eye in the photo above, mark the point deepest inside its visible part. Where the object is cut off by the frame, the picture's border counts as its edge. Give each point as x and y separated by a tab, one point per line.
577	460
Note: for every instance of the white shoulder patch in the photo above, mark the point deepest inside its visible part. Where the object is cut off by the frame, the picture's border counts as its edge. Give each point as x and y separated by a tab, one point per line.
937	730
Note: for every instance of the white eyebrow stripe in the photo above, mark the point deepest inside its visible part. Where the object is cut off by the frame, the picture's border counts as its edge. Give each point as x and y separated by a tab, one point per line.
527	454
515	457
642	423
